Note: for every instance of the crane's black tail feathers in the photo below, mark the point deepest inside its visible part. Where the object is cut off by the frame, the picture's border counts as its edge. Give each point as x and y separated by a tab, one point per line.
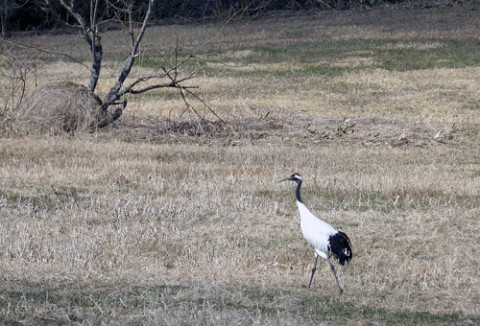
340	247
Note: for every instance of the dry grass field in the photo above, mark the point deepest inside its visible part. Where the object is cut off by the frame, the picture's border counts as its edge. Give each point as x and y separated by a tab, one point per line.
157	221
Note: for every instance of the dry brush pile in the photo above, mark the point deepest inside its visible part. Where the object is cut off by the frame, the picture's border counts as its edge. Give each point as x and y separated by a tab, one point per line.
58	109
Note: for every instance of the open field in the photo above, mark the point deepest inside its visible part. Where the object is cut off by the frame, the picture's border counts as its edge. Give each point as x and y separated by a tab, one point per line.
157	222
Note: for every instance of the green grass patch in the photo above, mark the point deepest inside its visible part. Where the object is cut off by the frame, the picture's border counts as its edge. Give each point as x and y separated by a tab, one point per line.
429	55
48	201
333	58
326	58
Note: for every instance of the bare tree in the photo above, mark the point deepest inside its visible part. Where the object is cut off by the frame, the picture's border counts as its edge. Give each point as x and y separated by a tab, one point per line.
89	26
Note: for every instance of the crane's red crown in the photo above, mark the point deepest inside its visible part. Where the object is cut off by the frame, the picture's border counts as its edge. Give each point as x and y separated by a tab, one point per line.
296	175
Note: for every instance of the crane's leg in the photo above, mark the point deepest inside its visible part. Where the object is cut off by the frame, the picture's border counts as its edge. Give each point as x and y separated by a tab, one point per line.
332	268
313	270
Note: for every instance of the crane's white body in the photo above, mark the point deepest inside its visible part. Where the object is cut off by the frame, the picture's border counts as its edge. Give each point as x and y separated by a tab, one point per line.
315	231
325	239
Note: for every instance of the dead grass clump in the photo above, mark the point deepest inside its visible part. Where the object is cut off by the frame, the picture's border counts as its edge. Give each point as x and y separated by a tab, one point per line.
56	109
195	127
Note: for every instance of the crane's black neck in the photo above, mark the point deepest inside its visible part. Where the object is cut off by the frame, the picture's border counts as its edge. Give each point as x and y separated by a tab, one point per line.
297	192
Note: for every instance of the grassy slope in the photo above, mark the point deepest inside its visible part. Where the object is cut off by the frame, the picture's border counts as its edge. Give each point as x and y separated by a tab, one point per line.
95	230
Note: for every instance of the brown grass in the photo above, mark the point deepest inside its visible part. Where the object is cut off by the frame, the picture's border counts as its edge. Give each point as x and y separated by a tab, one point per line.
146	225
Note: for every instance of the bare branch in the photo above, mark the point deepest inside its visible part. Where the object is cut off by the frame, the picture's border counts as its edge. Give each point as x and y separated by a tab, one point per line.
27	46
174	84
157	86
188	105
113	93
75	15
92	38
204	103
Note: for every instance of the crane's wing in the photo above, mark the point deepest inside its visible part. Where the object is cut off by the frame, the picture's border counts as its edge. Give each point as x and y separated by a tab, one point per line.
315	231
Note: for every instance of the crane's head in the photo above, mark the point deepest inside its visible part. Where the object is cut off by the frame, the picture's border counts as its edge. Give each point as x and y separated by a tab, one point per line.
294	177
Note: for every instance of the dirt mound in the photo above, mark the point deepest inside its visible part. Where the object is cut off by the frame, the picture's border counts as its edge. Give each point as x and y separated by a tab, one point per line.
56	109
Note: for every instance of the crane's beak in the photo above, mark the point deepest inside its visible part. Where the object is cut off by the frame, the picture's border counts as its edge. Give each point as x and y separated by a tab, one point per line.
286	179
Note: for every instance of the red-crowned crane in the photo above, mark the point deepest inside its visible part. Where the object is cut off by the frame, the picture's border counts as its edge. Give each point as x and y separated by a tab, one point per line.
325	239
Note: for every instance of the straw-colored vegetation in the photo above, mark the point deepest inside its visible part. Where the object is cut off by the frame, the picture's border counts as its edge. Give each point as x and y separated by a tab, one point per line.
146	224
